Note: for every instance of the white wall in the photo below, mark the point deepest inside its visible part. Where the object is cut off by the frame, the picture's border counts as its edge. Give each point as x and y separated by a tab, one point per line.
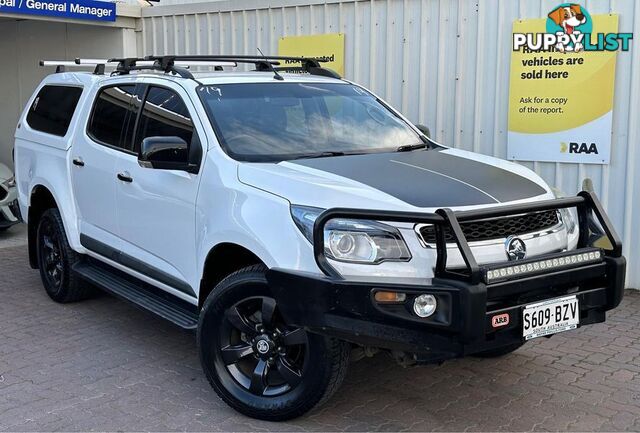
444	63
25	42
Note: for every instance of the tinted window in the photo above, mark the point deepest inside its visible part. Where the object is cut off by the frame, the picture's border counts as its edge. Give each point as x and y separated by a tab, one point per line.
114	115
136	103
53	108
164	115
268	121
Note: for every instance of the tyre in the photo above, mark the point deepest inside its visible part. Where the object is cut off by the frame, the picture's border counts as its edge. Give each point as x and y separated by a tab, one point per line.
255	362
3	229
501	351
55	259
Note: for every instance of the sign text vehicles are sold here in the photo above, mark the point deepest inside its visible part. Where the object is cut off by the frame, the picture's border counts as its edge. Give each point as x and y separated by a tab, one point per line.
73	9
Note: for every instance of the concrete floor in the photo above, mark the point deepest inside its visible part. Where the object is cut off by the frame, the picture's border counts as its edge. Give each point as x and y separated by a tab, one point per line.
14	236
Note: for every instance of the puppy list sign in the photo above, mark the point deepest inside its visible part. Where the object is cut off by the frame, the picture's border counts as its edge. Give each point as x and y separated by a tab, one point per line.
561	87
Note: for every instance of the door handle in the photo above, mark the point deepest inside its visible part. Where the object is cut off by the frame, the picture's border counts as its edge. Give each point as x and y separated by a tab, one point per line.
125	177
78	161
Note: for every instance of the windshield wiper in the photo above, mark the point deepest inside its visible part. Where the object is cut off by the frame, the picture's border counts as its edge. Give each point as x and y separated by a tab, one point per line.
410	147
325	154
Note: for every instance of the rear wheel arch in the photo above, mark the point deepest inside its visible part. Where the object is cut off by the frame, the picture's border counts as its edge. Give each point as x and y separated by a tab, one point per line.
56	259
223	260
40	199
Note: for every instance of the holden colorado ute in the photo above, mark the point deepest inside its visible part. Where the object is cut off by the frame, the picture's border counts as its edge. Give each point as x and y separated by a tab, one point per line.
296	221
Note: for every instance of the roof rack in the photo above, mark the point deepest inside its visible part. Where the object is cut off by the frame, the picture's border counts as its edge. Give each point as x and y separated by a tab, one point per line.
121	67
310	65
128	64
180	64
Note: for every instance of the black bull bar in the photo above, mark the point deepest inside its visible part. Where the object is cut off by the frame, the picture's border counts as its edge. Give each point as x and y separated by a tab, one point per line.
344	307
585	203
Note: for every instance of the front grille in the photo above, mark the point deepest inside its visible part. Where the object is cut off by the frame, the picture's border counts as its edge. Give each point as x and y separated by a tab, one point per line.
3	193
498	228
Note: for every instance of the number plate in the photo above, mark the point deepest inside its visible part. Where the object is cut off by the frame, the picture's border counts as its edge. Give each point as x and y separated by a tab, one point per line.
549	317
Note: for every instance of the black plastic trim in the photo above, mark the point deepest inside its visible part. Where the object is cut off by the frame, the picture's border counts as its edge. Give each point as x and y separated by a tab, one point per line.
134	264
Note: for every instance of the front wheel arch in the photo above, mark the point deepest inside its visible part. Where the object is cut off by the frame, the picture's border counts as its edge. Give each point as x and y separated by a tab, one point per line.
223	260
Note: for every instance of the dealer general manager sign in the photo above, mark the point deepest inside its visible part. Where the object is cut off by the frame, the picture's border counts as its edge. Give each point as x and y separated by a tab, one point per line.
74	9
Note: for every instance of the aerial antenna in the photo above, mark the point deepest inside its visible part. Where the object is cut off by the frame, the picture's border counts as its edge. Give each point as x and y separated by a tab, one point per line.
276	75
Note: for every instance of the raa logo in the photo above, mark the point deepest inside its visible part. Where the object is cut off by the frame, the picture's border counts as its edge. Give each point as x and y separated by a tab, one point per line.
574	147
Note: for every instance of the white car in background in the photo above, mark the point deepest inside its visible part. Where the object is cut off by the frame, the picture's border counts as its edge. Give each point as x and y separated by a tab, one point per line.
9	213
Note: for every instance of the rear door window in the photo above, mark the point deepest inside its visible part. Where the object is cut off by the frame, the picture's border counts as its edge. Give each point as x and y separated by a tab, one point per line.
114	114
53	108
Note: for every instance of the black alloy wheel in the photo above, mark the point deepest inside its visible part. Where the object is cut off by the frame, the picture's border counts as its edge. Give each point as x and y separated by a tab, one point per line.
256	362
56	260
261	353
50	250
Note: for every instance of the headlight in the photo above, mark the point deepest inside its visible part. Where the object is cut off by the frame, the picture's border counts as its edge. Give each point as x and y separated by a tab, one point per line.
569	220
567	215
354	241
305	217
10	183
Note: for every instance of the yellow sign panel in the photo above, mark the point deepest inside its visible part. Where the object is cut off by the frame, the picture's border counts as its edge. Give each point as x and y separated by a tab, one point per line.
329	46
559	99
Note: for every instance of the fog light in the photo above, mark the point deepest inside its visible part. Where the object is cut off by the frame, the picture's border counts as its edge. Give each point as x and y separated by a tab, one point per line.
425	305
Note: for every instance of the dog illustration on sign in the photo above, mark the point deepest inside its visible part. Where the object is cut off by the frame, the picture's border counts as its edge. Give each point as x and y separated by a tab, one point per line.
569	17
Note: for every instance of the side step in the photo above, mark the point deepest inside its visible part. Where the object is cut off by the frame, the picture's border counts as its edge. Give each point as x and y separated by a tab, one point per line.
139	293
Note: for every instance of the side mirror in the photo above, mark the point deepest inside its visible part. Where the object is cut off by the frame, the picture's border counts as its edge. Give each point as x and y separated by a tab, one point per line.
425	130
165	153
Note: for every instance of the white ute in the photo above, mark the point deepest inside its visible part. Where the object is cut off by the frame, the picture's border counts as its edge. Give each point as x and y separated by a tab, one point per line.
296	220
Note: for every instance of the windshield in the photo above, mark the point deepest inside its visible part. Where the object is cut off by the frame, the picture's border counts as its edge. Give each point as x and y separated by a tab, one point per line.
281	121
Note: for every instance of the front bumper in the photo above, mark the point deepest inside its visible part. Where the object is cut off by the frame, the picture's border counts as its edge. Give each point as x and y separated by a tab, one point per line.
467	301
347	309
9	214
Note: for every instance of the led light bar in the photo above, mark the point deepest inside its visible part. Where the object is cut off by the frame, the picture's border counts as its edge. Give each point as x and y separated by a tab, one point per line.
543	265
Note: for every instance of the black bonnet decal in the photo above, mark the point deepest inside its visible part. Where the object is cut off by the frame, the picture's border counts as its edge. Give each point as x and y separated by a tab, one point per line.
430	178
